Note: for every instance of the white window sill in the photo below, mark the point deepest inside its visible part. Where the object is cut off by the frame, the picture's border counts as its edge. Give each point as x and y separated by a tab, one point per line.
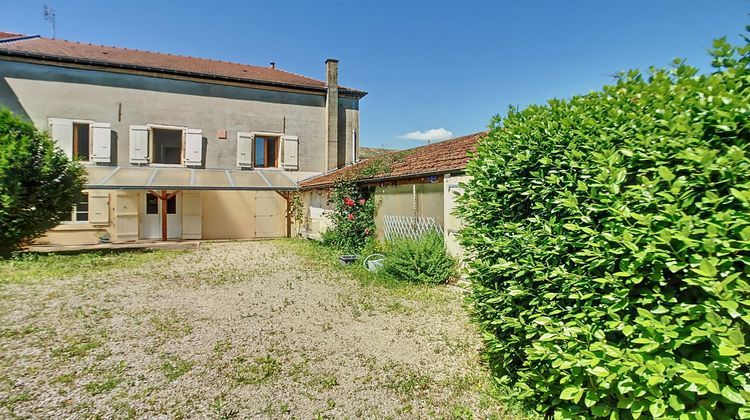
67	226
166	165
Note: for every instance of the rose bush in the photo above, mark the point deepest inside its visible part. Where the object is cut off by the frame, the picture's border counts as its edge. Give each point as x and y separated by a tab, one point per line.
352	218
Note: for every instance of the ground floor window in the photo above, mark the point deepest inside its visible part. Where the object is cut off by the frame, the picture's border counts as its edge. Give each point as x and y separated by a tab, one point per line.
80	211
167	146
152	204
172	204
266	152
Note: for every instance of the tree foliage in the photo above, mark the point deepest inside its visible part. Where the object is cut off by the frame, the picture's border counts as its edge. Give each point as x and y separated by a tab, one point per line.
38	183
611	236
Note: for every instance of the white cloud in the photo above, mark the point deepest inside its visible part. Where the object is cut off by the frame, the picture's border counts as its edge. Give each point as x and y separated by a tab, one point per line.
433	134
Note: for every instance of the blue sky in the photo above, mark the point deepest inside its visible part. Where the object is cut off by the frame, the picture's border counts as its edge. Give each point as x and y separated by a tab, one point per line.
428	65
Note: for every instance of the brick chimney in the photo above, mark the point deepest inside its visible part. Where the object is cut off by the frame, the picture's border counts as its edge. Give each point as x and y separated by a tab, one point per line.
332	113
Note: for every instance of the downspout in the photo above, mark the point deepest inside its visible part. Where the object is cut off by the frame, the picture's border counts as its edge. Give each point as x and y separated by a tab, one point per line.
354	145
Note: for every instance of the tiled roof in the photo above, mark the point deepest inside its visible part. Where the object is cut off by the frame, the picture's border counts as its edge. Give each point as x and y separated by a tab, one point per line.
123	58
438	158
8	35
371	152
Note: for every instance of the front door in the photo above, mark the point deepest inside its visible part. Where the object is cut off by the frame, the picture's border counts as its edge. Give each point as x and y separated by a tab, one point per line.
153	208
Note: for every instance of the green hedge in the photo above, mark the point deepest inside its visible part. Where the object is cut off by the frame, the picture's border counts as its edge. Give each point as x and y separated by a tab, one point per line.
38	183
611	236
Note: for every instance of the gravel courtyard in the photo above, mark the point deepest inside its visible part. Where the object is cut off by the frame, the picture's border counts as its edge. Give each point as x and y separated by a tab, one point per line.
234	330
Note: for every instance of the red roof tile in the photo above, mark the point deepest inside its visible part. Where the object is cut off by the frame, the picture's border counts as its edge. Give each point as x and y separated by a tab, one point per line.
8	35
60	50
437	158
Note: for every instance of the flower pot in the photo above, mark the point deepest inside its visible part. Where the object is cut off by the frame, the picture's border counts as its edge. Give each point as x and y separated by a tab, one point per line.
347	259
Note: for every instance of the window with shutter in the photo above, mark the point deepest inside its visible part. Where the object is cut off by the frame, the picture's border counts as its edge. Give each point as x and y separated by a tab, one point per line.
102	142
193	147
139	147
61	131
167	144
291	153
245	149
99	207
266	151
81	141
80	212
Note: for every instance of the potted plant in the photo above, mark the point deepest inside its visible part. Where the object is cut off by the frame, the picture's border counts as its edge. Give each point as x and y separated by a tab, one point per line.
103	236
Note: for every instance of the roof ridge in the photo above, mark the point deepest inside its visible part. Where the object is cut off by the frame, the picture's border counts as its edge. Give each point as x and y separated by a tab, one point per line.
122	57
163	53
18	38
448	140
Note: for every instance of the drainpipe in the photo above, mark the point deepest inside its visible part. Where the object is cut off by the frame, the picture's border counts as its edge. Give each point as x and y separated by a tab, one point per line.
354	145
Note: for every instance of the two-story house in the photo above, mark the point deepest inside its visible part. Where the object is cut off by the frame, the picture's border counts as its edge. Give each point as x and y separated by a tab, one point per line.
178	147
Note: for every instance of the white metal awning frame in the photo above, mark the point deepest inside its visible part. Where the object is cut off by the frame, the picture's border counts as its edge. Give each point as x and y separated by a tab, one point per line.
267	180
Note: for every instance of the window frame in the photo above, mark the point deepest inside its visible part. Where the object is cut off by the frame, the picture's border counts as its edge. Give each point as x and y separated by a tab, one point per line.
152	144
279	137
90	125
73	146
74	212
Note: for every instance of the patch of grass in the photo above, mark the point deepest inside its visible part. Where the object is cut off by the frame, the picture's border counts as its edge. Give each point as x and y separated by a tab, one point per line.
406	382
171	325
27	267
222	346
18	332
65	379
106	385
319	256
462	412
78	346
323	382
223	412
112	376
256	371
173	366
10	401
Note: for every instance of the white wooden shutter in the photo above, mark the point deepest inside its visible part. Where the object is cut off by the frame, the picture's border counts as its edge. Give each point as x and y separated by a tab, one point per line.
99	207
126	216
245	149
102	141
61	131
139	144
191	215
193	147
291	151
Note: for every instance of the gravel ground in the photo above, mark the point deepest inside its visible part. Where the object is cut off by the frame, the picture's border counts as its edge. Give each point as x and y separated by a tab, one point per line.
242	329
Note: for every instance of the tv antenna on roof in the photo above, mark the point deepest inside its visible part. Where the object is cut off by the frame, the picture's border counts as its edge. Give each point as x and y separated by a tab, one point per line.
49	16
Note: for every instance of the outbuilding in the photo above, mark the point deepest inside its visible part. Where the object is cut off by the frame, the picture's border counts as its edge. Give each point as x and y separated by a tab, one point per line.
414	190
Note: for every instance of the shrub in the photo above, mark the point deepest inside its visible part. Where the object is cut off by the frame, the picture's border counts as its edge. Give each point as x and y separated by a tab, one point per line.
38	184
611	236
353	216
423	260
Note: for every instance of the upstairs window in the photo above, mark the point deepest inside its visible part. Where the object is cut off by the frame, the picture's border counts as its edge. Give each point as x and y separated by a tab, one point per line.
87	141
80	211
167	146
266	152
81	141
